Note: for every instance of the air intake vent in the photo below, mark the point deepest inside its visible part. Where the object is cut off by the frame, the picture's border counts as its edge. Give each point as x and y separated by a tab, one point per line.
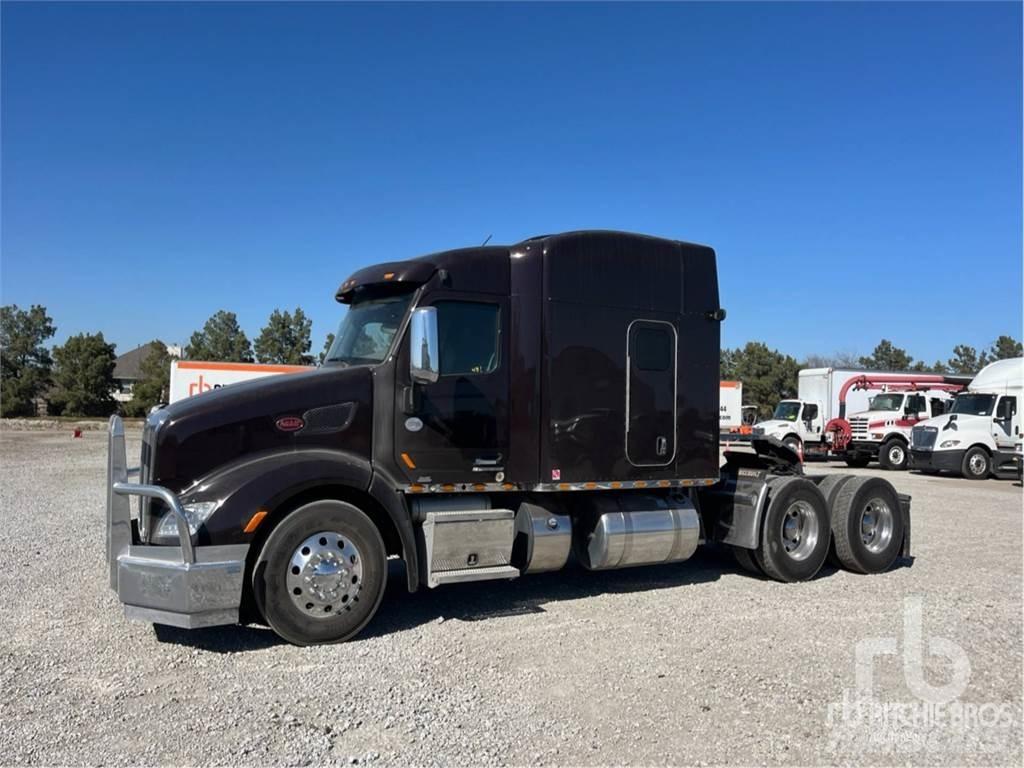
329	418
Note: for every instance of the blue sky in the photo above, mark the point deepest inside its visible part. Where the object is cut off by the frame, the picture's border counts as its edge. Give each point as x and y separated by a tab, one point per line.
857	167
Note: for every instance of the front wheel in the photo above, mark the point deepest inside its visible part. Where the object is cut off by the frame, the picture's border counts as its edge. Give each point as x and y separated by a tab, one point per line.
976	464
321	574
894	455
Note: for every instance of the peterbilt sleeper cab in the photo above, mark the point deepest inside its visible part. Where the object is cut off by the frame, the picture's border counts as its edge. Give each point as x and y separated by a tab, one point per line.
483	413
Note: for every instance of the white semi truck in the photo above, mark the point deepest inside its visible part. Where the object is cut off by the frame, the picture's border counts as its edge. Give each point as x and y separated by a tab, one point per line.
981	434
858	415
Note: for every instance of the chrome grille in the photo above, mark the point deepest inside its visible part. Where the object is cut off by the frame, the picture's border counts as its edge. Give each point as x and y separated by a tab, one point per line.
147	466
923	438
859	428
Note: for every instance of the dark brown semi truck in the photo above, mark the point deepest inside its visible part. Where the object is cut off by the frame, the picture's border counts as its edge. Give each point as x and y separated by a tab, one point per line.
483	413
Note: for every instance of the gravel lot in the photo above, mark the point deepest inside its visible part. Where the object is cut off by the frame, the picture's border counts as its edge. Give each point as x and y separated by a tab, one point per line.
694	663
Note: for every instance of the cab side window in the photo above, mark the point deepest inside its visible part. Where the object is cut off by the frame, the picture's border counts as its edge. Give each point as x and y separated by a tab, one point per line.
915	404
469	336
1007	408
810	412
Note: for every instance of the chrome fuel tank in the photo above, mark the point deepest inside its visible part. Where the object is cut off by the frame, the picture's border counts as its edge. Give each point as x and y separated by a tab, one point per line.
644	530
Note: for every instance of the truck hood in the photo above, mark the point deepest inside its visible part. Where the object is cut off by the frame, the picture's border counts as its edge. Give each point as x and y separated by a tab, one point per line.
332	404
773	426
873	416
964	422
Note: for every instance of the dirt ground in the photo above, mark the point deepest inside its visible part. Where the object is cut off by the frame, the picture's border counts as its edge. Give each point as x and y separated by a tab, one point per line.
694	663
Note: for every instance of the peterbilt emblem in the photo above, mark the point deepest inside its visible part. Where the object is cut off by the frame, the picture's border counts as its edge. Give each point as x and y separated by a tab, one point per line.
290	423
413	424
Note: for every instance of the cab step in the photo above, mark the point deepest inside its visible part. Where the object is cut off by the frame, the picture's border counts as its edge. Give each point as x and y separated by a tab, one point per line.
473	574
463	540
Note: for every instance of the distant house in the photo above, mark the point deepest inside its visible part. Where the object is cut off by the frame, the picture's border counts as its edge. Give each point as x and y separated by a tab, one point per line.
128	365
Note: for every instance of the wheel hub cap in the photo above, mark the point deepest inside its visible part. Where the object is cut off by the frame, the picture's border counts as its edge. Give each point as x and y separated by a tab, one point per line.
977	464
876	525
325	575
799	530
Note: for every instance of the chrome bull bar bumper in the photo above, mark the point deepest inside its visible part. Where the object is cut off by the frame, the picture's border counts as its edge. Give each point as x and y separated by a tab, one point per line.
184	586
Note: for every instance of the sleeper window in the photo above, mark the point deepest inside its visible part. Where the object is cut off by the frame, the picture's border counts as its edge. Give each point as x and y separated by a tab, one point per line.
652	349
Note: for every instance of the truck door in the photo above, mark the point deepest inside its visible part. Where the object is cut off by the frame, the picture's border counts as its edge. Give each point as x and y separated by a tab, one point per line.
1006	423
650	393
811	422
455	430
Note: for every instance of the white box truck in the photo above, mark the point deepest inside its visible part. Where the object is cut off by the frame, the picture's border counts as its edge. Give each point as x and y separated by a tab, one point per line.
735	420
730	405
193	377
981	434
858	415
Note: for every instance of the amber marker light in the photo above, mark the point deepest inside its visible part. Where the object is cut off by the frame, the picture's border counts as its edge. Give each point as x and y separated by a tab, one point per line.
254	521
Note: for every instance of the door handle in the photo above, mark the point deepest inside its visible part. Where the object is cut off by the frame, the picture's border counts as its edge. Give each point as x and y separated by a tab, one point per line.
661	445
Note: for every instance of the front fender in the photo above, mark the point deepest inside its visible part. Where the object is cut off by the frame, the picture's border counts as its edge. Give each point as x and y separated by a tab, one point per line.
263	480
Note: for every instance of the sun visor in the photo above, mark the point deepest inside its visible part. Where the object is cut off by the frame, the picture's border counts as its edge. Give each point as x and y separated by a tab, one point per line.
397	277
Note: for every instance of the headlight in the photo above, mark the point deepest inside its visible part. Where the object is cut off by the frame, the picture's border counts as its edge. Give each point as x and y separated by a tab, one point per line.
197	514
949	444
877	435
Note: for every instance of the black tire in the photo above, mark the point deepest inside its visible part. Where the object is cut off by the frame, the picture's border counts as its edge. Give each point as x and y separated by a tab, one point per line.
976	464
794	505
857	462
894	455
271	573
746	560
829	487
857	505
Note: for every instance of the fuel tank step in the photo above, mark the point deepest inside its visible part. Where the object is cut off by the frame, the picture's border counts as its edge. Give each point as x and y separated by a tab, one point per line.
473	574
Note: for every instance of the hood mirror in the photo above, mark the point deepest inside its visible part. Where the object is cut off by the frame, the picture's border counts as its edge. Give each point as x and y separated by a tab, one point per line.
424	357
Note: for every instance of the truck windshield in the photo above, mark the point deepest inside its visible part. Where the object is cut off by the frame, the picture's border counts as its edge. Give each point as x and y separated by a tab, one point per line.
787	410
367	330
885	403
974	404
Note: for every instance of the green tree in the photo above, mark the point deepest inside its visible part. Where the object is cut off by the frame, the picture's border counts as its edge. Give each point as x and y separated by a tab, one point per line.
727	364
835	360
887	357
767	375
220	340
327	347
965	360
25	364
1004	348
153	385
285	340
84	376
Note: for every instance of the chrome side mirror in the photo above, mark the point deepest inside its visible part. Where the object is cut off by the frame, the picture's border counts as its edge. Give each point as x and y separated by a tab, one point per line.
424	357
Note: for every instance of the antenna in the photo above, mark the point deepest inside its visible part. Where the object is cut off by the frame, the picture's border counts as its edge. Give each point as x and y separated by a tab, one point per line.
485	242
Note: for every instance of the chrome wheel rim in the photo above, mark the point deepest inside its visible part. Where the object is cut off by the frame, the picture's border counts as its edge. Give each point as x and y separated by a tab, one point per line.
978	464
325	575
799	530
896	454
876	525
